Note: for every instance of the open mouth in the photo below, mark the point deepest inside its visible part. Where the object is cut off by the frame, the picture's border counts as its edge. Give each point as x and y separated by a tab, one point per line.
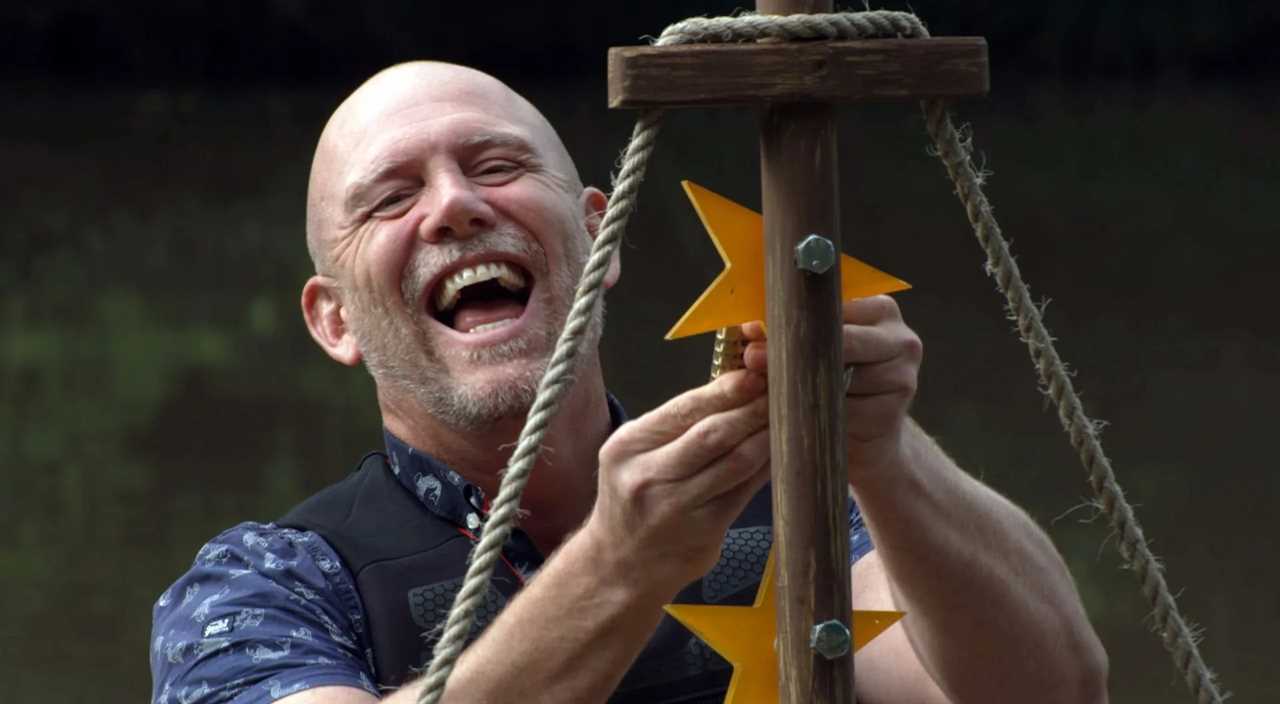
481	297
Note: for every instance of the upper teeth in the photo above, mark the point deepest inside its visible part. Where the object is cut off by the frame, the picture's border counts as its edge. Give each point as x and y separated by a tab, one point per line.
507	275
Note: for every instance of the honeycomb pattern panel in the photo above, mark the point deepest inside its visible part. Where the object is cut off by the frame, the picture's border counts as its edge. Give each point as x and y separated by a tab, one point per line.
742	558
429	606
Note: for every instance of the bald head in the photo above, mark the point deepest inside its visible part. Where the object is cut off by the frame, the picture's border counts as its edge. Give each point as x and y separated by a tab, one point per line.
408	94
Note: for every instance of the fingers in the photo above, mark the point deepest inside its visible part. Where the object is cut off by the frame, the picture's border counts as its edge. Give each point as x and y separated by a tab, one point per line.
675	417
873	332
741	465
731	502
720	438
871	310
888	377
862	345
858	311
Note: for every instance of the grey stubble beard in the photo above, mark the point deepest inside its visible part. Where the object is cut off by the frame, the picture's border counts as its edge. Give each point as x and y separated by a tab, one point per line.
405	361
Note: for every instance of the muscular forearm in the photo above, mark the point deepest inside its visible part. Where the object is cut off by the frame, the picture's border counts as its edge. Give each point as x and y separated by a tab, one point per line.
993	612
568	636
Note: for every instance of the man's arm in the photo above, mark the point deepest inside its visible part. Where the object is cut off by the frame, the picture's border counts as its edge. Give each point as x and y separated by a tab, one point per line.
993	614
670	484
262	612
568	636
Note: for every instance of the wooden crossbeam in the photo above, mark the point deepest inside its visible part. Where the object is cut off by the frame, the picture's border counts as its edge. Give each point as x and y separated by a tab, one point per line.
829	72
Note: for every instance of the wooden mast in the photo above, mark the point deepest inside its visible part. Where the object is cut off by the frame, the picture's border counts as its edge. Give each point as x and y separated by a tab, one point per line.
806	397
797	82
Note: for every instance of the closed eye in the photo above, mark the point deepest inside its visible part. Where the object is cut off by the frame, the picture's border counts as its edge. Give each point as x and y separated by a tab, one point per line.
392	204
496	172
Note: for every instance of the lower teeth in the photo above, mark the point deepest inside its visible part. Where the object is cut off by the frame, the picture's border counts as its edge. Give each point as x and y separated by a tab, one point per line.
491	326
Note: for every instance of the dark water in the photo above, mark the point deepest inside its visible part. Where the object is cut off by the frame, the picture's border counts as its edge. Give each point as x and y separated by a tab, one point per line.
157	385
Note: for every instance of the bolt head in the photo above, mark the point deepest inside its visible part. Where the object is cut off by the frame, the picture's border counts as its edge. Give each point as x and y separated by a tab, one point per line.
830	639
815	254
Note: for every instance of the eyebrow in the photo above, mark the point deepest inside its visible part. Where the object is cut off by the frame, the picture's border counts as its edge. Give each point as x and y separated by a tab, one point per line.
359	188
381	169
484	140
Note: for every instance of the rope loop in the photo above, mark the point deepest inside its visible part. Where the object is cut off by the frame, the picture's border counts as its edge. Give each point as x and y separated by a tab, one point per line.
753	27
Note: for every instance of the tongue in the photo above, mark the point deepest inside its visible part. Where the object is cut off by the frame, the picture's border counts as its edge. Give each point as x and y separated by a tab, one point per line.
472	314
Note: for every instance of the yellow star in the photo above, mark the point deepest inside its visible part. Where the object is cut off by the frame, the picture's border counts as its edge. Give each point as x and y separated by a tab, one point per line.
737	295
745	635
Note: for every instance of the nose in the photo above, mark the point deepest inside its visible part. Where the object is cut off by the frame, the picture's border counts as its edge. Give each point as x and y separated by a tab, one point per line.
458	210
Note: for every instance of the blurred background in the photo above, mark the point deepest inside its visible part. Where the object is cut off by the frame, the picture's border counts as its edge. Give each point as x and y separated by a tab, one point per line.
157	384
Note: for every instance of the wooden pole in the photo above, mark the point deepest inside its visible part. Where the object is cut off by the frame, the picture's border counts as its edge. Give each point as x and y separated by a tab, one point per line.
798	82
806	397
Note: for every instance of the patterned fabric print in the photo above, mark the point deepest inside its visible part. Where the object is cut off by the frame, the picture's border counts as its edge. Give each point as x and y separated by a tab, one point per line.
263	612
445	493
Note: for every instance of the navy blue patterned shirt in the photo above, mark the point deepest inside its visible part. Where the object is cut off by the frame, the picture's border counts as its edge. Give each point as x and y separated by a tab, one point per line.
266	611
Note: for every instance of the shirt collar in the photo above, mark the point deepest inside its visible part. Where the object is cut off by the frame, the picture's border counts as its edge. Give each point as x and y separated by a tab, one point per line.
442	490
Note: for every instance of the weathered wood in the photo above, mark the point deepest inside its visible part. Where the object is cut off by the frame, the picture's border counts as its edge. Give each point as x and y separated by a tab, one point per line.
829	72
798	185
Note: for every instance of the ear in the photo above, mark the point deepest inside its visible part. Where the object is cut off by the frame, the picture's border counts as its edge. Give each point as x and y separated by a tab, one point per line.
594	203
327	320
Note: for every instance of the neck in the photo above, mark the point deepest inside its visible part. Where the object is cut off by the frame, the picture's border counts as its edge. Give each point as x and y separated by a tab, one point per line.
562	486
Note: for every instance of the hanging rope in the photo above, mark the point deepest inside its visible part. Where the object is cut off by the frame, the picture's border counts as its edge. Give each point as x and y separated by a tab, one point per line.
555	381
956	155
1055	382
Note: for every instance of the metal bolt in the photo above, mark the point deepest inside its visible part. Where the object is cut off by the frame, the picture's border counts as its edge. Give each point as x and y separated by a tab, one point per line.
831	639
815	254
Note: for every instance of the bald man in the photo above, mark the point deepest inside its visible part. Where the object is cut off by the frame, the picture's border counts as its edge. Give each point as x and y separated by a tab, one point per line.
448	227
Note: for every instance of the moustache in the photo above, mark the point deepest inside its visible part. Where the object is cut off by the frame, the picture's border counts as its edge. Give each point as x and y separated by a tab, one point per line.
430	260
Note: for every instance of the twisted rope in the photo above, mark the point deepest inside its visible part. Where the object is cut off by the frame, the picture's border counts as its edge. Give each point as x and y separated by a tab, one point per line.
1177	636
555	381
956	156
837	25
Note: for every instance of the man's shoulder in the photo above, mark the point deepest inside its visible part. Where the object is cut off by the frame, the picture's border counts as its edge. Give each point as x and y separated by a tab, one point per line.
252	549
259	593
369	516
335	500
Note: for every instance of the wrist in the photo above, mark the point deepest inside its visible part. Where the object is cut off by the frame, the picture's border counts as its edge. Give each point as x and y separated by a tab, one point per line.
616	568
892	465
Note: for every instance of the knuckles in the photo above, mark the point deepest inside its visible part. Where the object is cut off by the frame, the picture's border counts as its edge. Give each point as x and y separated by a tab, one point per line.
911	344
872	310
709	434
613	451
741	459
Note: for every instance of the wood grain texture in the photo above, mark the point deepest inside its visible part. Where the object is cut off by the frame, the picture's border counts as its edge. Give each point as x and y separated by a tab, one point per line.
822	71
799	194
806	399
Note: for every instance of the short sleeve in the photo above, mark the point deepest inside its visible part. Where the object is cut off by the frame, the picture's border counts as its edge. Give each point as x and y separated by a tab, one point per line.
263	612
859	537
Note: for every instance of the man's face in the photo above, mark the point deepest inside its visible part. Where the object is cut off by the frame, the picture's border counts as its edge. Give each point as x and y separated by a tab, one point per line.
457	239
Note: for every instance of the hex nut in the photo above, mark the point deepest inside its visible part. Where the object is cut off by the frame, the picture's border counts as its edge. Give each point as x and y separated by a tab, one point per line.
815	254
830	639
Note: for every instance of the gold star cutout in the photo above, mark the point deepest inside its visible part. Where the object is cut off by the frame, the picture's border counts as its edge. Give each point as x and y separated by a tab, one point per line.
745	635
737	295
